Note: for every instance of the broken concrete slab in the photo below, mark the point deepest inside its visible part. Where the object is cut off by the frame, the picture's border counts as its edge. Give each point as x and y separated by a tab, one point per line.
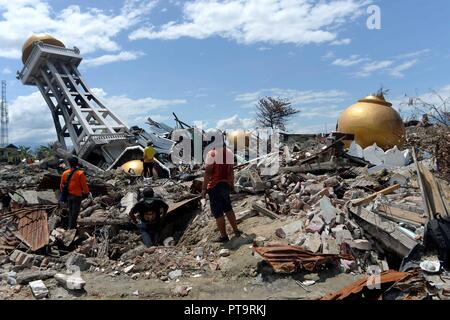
330	245
175	274
360	244
47	197
21	258
128	202
313	242
315	225
38	289
328	211
342	236
70	282
27	276
77	260
289	229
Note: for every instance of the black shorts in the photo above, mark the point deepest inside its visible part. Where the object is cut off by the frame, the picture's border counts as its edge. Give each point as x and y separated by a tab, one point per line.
219	199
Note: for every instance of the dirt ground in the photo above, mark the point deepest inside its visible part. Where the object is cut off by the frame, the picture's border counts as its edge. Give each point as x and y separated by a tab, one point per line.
246	276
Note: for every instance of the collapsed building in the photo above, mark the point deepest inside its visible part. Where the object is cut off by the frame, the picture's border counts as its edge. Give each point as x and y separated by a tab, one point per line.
352	205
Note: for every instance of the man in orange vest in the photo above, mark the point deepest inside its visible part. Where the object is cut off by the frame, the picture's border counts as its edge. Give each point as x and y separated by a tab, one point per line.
218	182
76	189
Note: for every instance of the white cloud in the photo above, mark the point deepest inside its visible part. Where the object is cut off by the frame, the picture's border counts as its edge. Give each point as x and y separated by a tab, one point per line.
412	54
110	58
89	29
351	61
395	66
6	71
369	68
264	48
24	110
235	123
297	97
341	42
254	21
398	70
329	55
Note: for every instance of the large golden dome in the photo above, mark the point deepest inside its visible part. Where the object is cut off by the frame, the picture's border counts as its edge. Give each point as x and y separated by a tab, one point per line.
373	120
28	45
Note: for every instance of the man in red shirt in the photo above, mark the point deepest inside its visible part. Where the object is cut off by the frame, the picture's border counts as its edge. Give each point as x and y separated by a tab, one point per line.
77	189
218	182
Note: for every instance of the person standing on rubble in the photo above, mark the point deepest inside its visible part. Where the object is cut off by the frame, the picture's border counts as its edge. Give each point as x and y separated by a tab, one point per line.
149	212
149	160
218	182
74	184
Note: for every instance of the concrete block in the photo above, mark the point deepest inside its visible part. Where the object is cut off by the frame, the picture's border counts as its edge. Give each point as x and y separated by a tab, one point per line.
38	289
70	282
289	229
315	225
313	242
360	244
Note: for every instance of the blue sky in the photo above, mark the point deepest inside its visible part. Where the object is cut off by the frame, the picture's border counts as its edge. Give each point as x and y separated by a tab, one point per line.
216	58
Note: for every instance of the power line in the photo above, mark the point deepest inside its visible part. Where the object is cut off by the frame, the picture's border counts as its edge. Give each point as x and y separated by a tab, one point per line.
4	117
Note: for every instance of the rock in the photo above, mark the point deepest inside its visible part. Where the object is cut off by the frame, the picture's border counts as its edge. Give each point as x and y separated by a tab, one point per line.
136	293
224	264
300	240
20	258
313	188
38	289
181	291
135	276
128	202
311	277
70	282
27	276
330	246
47	197
348	265
198	252
289	229
343	236
131	254
26	196
313	242
328	211
78	260
175	274
331	182
224	252
315	225
259	241
128	269
360	244
170	241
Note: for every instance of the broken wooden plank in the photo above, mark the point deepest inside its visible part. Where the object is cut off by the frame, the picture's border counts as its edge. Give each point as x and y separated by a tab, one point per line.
86	222
369	199
385	231
241	216
258	207
401	214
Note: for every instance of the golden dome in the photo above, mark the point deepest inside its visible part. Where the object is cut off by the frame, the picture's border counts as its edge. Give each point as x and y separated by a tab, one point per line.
373	120
46	38
134	167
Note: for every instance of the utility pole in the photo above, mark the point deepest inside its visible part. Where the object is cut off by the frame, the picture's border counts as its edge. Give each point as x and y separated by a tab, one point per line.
4	117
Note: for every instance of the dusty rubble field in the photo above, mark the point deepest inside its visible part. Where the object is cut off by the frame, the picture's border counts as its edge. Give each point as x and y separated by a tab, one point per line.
316	228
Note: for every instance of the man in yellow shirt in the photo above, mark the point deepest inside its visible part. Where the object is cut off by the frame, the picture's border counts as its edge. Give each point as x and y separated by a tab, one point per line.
149	160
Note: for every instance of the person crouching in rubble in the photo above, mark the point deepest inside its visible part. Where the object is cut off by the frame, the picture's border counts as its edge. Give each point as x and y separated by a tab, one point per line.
149	212
74	187
218	182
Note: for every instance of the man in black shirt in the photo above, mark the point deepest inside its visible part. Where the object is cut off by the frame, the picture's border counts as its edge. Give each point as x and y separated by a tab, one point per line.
149	211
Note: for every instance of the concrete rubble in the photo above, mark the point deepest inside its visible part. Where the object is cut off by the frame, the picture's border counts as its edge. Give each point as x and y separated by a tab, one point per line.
324	201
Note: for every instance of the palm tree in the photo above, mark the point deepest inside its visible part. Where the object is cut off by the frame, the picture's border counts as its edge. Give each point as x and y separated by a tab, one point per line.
43	152
25	152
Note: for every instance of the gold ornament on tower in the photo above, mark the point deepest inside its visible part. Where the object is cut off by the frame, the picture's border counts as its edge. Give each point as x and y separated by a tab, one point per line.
373	120
46	38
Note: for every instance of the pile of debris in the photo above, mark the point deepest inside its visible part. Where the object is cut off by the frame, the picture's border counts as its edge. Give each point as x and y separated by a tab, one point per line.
353	211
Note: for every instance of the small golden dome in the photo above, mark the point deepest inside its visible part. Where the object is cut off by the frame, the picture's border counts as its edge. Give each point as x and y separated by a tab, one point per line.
134	167
28	45
373	120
